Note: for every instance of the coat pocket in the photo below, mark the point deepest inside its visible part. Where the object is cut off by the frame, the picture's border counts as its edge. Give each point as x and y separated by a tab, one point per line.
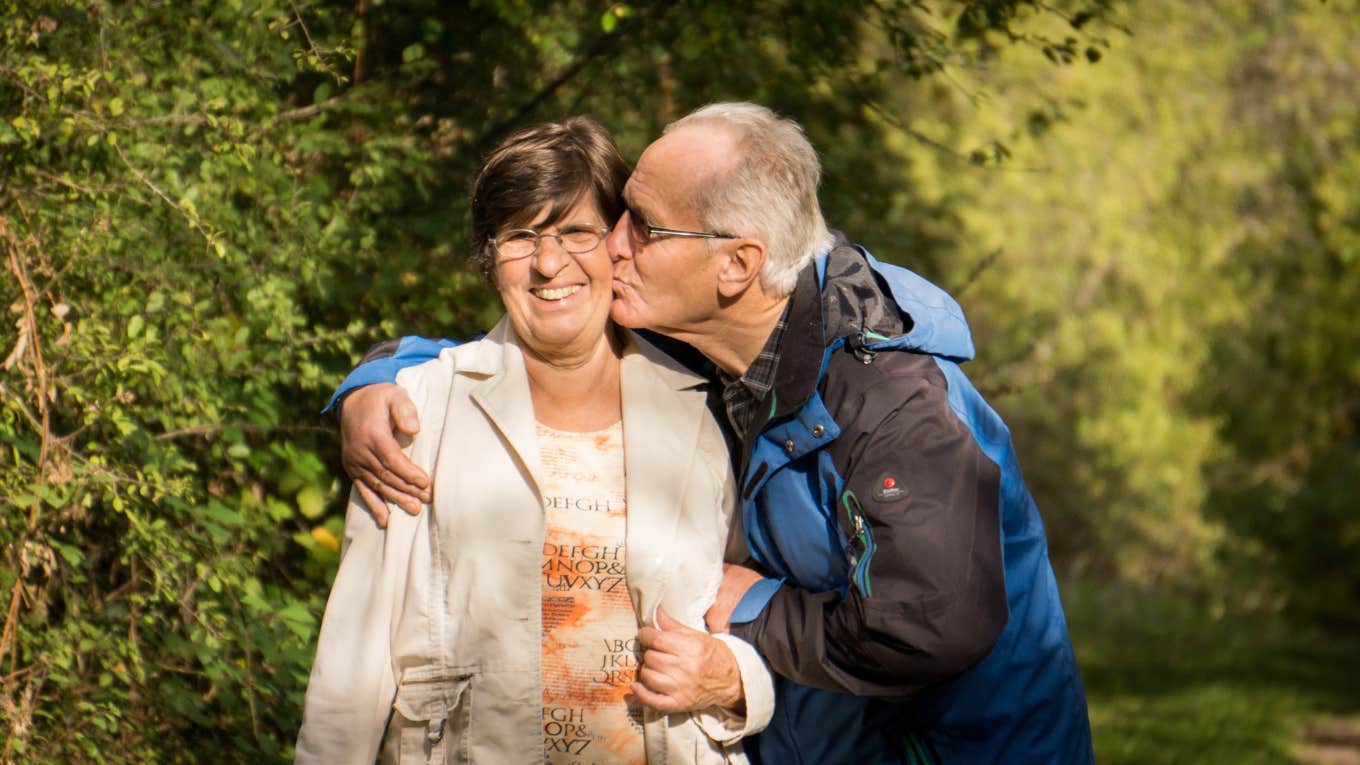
430	719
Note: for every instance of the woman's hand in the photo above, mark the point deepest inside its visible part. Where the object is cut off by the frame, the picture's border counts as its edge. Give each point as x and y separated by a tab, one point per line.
371	419
685	670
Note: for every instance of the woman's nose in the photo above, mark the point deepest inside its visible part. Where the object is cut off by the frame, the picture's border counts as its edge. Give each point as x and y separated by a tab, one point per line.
550	258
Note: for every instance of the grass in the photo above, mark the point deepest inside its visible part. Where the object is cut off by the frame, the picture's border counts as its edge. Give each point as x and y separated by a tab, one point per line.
1168	682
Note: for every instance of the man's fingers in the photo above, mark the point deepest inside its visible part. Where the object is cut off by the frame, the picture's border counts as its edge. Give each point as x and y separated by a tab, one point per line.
405	418
410	503
375	505
395	468
386	491
736	581
718	619
371	454
402	494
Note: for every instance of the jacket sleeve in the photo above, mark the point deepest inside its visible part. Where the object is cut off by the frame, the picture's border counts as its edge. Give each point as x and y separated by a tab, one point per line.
757	684
352	684
383	361
757	688
353	680
927	597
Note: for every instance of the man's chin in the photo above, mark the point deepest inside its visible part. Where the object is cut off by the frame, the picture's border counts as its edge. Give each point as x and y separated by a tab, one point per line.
624	316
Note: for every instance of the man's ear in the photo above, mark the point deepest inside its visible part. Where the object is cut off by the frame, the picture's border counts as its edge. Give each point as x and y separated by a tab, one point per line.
741	266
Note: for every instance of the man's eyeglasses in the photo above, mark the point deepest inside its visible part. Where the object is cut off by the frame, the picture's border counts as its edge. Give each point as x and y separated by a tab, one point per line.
643	234
520	243
656	232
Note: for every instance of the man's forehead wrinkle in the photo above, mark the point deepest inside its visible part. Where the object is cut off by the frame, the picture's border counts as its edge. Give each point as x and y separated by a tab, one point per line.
705	148
638	195
701	155
665	182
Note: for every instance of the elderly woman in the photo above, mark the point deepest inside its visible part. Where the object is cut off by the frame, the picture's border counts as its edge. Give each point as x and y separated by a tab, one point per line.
581	491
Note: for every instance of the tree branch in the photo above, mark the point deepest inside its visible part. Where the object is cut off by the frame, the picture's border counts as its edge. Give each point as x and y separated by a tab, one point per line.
602	44
9	635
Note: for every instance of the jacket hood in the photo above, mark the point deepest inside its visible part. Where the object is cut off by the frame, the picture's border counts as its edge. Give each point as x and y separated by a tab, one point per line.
893	307
938	324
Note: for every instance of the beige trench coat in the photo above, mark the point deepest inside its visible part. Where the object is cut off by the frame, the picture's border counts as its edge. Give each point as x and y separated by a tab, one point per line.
435	623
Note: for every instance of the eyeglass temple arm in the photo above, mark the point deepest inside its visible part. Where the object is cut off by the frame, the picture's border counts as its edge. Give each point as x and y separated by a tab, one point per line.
695	234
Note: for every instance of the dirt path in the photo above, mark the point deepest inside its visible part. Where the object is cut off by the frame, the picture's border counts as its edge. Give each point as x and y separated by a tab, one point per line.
1331	741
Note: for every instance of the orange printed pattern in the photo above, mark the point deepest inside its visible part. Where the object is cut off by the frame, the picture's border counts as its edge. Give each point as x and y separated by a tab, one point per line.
589	626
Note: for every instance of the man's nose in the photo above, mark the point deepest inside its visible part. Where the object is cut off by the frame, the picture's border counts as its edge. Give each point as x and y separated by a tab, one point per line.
619	244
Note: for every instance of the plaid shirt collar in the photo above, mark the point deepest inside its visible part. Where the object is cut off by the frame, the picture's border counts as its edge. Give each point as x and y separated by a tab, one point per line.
741	395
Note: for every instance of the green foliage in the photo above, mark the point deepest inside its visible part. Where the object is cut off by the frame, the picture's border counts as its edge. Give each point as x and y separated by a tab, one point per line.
1290	398
209	209
162	216
1171	681
1161	280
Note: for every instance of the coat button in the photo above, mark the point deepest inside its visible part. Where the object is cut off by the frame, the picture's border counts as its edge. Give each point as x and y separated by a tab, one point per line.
817	431
788	446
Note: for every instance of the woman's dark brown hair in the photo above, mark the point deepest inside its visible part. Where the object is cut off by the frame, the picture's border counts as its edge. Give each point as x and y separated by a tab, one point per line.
553	165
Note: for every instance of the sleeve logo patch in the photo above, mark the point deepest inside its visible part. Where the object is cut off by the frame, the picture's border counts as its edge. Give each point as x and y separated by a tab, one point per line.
887	489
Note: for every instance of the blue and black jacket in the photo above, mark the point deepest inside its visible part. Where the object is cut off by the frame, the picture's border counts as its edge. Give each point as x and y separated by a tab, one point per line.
911	612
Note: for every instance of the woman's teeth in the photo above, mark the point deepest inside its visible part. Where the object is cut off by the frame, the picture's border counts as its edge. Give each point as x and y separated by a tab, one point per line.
557	294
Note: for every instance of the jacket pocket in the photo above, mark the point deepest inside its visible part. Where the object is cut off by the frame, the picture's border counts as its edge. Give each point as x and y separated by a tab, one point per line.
860	547
430	720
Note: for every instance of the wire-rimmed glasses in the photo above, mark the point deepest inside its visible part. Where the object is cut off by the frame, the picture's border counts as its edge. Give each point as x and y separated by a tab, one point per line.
520	243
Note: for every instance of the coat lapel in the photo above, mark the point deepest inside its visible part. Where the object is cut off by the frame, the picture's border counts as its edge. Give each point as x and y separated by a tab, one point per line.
504	397
663	408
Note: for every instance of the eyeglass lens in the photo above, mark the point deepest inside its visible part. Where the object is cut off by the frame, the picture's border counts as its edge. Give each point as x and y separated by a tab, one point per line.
523	242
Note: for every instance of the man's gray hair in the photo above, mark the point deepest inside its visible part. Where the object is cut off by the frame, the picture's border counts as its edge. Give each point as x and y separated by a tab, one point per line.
769	192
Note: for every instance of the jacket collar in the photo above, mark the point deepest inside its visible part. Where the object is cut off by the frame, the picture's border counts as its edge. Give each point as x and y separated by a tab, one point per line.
503	394
853	303
800	352
800	361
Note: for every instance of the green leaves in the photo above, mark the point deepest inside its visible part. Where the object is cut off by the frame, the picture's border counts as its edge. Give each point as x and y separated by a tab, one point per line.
173	275
609	20
311	501
232	200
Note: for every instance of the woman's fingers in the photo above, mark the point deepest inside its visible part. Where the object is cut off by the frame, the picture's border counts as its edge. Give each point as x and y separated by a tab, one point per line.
659	702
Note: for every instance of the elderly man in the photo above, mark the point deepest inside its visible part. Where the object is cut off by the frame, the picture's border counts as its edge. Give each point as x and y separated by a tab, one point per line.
903	593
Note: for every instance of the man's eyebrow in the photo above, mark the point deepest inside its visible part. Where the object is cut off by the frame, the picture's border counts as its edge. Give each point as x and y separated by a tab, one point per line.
638	211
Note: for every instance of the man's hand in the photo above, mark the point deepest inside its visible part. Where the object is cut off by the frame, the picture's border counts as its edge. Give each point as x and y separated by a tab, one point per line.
685	670
371	419
735	582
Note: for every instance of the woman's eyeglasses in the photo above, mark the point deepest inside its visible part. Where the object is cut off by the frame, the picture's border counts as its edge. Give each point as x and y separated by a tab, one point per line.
518	243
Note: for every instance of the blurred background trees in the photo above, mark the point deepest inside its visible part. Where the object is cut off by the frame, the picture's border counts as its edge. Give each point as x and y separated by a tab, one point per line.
209	209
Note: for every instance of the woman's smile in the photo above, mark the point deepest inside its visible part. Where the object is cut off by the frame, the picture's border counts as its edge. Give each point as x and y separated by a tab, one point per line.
555	294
